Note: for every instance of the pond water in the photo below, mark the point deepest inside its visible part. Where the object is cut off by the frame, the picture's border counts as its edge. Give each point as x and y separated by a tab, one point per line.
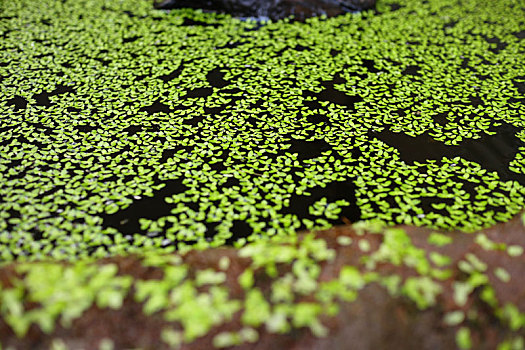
125	128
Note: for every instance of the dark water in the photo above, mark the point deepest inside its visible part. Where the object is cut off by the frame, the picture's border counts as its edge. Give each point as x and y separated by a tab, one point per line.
153	208
492	152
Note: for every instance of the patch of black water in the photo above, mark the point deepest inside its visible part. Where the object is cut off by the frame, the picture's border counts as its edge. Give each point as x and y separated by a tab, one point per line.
426	204
318	119
130	14
73	109
172	75
308	149
156	107
330	94
500	45
62	89
126	221
194	121
131	39
211	230
395	6
492	152
313	105
42	99
240	229
133	129
300	204
218	166
199	92
142	77
192	22
18	102
370	66
104	62
519	85
216	78
301	48
411	70
170	153
441	118
85	128
520	34
214	110
450	24
232	91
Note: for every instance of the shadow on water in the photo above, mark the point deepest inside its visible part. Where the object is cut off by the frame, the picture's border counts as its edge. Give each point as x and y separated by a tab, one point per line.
492	152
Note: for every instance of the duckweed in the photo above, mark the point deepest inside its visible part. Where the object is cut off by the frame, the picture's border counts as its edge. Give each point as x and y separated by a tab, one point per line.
125	130
163	136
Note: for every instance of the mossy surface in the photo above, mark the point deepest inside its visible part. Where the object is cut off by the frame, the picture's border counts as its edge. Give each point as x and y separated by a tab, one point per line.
126	130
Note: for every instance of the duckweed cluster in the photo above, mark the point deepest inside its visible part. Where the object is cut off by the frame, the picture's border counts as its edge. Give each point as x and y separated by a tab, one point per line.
125	129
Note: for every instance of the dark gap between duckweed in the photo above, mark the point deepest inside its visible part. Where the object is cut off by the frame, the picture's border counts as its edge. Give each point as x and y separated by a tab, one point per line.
157	107
127	221
216	78
500	45
520	34
18	102
131	39
308	149
338	190
174	74
412	70
191	22
199	92
330	94
492	152
42	99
